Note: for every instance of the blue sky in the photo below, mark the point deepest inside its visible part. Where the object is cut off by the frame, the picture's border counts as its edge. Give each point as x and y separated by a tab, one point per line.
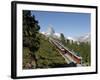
70	24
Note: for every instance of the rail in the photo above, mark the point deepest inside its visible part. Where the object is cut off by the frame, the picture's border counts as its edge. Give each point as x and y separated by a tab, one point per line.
68	55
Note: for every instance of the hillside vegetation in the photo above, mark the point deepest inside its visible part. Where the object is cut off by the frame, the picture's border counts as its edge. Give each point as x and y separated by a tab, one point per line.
82	50
46	56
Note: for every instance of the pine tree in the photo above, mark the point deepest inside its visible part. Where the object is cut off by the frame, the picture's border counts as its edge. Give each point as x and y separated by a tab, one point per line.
63	40
31	33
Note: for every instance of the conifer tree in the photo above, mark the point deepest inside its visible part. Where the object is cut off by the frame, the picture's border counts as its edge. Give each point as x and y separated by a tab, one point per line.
63	39
30	31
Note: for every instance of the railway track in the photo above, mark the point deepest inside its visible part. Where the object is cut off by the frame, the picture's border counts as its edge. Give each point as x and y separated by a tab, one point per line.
70	57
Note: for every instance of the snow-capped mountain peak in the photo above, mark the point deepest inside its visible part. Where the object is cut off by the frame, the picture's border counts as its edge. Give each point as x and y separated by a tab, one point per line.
84	38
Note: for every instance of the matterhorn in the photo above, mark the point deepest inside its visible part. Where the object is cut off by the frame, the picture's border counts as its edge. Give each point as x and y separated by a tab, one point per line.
50	31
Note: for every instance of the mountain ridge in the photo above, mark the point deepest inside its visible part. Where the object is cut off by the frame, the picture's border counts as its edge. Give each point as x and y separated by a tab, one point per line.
83	38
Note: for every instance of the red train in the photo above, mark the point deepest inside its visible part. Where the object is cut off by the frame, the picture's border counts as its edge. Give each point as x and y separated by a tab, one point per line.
76	58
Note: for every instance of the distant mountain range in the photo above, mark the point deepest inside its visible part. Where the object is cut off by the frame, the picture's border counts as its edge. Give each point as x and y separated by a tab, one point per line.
83	38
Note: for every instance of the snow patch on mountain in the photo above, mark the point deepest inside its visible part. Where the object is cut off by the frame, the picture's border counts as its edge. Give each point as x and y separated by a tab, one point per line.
71	38
57	34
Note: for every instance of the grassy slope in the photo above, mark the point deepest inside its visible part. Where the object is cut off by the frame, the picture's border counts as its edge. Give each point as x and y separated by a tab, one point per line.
47	56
